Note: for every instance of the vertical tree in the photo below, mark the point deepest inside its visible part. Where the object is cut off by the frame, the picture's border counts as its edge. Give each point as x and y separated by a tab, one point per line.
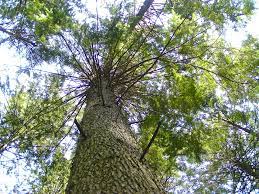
158	64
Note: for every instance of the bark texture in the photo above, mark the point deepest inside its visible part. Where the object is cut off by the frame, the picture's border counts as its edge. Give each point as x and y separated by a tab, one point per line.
107	160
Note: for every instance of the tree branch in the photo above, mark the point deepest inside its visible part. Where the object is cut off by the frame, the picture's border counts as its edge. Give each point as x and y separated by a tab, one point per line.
80	129
68	45
247	168
162	53
242	128
146	5
17	36
135	122
151	141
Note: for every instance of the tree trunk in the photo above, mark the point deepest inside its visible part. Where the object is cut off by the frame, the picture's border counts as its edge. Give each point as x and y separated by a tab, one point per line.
107	159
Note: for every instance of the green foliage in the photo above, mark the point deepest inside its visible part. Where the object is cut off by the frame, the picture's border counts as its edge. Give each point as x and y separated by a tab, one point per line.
53	177
32	128
165	64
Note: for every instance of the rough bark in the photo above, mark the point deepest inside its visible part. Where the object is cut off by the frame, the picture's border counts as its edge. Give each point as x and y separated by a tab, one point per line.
107	160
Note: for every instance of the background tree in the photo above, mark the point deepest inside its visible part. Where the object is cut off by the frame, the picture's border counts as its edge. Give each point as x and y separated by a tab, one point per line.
157	66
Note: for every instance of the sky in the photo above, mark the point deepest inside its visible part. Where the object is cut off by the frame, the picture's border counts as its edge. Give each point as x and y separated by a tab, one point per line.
236	37
10	60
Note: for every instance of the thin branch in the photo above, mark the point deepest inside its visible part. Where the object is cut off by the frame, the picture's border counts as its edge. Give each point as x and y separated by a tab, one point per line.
80	129
48	72
247	168
135	122
97	16
132	55
249	131
220	75
92	50
90	69
156	60
80	105
116	64
17	36
151	141
134	67
70	49
26	123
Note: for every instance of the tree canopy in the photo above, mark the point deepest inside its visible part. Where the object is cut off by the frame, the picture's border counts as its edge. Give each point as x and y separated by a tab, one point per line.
170	69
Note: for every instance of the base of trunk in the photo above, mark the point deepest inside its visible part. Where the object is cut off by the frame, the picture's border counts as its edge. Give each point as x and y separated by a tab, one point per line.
107	160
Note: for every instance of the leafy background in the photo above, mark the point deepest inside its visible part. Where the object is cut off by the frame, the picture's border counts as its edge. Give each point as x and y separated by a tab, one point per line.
194	119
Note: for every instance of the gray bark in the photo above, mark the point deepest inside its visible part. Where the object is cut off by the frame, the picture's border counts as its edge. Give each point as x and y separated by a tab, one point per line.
107	160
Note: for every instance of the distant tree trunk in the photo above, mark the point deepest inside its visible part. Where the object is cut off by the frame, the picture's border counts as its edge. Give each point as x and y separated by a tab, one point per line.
107	159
